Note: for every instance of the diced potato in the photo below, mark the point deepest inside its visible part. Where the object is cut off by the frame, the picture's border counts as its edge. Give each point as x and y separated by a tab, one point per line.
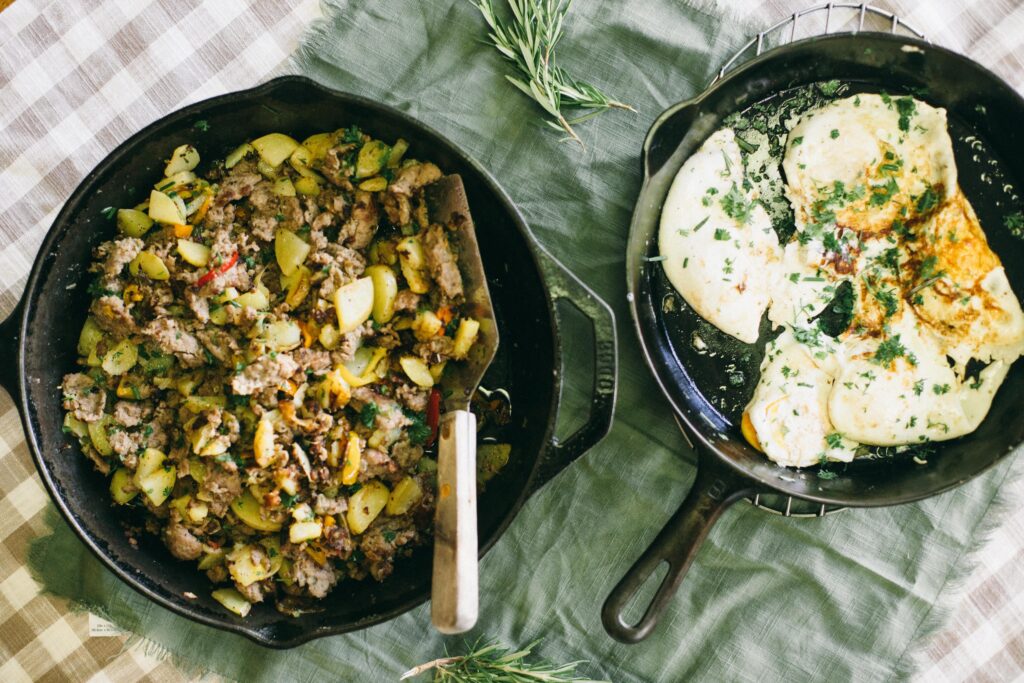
266	170
273	548
290	249
248	564
354	304
329	336
219	315
353	459
405	494
302	160
397	152
282	335
252	513
465	337
299	287
304	531
98	436
365	504
178	180
75	426
375	184
372	157
210	559
197	470
120	358
198	511
151	460
232	600
183	158
417	371
490	458
283	187
414	262
274	148
307	186
319	144
181	504
163	209
383	251
385	289
237	155
263	443
89	337
151	265
133	222
122	489
199	404
154	477
257	299
133	388
194	253
426	325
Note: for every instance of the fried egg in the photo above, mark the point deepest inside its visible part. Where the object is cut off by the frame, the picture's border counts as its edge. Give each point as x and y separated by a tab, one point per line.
959	289
873	185
789	413
716	242
867	162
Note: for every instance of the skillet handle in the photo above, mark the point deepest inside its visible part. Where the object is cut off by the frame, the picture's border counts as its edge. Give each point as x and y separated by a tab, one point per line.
715	489
564	286
10	340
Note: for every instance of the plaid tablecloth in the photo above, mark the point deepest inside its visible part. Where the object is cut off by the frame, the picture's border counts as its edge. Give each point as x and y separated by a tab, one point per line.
77	78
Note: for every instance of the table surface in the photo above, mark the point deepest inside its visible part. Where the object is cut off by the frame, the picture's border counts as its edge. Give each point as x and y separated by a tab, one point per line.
77	78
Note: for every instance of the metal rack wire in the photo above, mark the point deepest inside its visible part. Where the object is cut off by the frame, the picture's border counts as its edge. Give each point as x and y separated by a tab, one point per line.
828	18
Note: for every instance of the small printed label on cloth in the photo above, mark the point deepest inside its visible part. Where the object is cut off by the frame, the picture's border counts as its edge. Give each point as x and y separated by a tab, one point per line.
100	627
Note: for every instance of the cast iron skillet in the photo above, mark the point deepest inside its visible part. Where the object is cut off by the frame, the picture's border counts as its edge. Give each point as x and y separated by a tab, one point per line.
698	385
40	336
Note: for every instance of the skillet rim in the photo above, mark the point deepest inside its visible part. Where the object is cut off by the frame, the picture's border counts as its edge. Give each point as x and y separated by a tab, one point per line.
22	313
704	445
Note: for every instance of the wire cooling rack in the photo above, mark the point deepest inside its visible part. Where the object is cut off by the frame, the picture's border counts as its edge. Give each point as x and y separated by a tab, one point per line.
819	20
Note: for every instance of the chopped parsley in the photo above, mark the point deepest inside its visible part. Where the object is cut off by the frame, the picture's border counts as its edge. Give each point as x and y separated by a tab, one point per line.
928	200
887	297
834	440
889	350
352	134
834	134
722	235
940	389
202	125
736	206
906	108
288	501
418	431
368	414
882	194
1014	222
701	224
918	387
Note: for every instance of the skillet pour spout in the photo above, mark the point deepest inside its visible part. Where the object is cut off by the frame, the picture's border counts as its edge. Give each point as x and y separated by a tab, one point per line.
984	115
39	340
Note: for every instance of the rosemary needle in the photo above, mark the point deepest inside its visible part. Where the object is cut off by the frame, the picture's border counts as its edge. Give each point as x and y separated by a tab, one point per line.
528	41
490	663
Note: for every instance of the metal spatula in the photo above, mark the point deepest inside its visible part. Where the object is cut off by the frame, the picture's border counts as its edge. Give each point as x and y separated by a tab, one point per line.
454	592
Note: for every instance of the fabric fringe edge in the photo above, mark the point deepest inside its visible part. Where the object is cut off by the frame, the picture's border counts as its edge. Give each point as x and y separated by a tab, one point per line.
952	591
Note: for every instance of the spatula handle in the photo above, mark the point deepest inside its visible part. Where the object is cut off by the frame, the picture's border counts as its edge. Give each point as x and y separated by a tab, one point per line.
455	593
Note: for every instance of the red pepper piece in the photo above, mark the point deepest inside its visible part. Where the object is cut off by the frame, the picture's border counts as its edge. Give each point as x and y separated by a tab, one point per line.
214	272
433	414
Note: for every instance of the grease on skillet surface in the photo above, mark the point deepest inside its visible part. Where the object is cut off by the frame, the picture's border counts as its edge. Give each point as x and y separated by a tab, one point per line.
860	344
261	360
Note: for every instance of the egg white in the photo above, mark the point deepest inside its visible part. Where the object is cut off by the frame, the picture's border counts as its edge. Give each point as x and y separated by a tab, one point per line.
723	267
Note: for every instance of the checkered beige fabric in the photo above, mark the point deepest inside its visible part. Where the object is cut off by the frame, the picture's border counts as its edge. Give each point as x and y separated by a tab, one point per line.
76	78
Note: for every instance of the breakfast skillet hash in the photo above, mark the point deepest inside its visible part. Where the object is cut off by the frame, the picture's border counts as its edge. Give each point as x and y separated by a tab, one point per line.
260	359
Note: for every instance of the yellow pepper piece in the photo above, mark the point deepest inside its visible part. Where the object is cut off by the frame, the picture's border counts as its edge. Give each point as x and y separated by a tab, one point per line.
131	294
353	456
182	230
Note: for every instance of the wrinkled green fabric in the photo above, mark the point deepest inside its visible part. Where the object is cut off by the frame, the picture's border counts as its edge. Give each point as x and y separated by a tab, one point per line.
840	598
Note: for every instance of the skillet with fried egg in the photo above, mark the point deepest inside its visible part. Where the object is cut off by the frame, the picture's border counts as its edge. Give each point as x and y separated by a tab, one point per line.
709	375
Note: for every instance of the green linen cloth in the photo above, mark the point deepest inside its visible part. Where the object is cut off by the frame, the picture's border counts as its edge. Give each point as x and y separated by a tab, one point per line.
840	598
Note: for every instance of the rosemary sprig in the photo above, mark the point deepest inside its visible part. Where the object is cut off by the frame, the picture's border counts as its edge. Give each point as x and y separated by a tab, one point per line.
528	41
490	663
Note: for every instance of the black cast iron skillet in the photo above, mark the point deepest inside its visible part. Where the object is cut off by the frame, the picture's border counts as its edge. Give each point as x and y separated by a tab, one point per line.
39	340
985	124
